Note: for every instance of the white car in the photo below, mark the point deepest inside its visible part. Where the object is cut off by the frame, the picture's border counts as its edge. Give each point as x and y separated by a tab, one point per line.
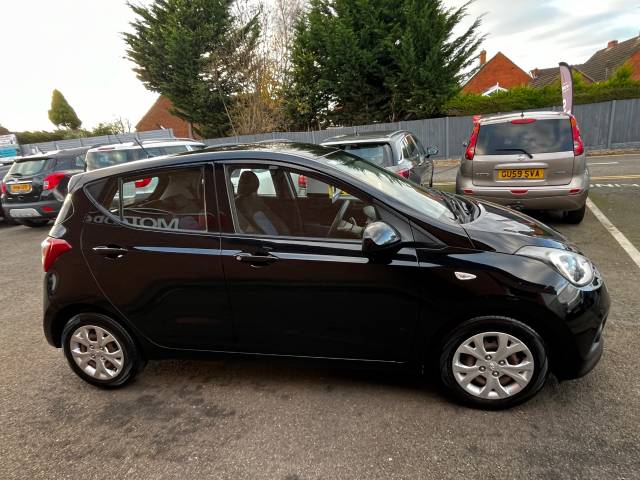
117	153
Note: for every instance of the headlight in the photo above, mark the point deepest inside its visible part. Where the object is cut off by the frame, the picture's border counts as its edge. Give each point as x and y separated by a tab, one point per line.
573	266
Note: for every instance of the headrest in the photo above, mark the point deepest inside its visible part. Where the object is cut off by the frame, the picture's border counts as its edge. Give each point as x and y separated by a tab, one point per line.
248	183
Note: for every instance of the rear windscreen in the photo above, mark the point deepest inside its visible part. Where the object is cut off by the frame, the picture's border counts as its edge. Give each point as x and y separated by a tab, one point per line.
107	158
540	136
376	153
28	167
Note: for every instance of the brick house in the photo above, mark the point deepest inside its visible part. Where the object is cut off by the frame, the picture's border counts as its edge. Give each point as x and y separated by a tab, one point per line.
600	66
159	116
497	74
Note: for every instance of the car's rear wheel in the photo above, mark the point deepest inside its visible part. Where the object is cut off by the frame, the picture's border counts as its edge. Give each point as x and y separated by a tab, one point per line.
100	351
493	362
34	223
575	216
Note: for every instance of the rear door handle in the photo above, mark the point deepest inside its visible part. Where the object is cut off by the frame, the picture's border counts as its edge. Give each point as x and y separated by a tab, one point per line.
114	252
255	259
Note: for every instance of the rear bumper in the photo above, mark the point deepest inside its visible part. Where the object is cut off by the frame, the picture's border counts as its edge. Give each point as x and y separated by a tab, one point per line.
42	210
530	198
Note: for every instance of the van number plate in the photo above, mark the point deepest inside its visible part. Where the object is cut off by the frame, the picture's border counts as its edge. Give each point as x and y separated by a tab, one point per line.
521	174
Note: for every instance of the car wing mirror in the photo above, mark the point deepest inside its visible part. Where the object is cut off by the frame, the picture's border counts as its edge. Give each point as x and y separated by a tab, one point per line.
432	151
379	237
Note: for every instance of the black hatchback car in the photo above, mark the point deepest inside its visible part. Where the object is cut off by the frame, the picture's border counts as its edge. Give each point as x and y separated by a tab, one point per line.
34	187
168	256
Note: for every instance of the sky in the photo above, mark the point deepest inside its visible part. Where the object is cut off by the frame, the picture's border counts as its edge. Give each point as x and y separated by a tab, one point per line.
76	46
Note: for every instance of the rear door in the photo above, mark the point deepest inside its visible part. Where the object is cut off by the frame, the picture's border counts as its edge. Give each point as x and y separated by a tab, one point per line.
25	179
156	255
524	151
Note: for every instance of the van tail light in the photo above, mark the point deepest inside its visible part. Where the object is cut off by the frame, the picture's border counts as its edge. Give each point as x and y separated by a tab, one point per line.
3	187
473	139
404	173
302	181
143	182
578	144
52	181
52	248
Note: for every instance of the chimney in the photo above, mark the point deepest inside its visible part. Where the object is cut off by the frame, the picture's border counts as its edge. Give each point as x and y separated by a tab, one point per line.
483	57
612	43
535	72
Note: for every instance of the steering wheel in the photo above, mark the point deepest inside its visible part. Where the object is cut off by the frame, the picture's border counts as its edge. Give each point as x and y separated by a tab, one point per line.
339	216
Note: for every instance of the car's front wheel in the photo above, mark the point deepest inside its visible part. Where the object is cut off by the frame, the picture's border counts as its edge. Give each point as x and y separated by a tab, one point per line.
493	362
100	351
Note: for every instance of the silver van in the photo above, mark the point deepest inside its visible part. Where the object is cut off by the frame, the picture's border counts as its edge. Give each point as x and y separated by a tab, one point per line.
527	161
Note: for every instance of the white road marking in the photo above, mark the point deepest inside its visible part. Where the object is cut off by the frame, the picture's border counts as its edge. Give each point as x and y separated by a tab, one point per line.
624	242
603	163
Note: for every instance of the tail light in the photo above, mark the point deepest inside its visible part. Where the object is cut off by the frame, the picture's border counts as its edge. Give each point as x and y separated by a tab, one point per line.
52	181
578	144
52	248
302	181
404	173
473	139
3	187
142	182
520	121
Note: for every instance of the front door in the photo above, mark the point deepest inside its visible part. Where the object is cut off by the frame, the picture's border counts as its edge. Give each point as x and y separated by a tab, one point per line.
154	249
298	281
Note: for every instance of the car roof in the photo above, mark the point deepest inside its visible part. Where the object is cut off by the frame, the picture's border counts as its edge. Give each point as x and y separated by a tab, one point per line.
68	152
147	143
507	117
364	137
279	150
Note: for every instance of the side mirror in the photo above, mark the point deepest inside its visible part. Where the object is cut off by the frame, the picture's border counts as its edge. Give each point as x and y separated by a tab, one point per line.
378	237
432	151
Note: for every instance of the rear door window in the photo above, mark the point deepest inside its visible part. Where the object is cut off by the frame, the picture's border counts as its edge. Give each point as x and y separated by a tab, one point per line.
27	168
539	136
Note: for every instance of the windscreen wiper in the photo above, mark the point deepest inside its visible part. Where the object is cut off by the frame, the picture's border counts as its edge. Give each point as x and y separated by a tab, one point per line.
514	150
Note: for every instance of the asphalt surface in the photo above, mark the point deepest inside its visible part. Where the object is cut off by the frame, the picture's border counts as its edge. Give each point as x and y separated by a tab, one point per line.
274	419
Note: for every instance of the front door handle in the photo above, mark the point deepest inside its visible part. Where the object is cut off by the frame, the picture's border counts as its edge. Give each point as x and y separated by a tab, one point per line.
112	252
255	259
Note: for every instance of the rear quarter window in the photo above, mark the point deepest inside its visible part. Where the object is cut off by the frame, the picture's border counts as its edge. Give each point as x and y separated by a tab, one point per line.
540	136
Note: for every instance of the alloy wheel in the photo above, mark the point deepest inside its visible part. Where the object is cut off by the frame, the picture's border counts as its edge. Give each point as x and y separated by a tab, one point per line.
96	352
493	365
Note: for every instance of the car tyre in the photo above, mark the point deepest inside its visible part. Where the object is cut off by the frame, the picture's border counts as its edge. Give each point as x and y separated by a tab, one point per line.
509	368
34	223
576	216
100	351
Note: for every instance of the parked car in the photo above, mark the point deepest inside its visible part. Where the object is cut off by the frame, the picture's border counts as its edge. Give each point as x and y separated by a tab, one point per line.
399	151
5	165
372	268
117	153
528	161
34	187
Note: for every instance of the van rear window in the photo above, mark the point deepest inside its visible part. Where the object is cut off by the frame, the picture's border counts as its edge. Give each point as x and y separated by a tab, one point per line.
540	136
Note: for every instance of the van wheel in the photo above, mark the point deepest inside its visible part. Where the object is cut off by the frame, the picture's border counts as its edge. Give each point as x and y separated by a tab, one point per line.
100	351
493	363
34	223
576	216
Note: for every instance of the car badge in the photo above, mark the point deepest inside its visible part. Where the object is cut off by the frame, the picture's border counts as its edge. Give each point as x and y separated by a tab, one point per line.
464	276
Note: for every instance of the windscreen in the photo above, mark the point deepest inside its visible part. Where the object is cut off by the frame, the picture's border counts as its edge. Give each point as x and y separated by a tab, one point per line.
378	154
539	136
107	158
28	167
421	200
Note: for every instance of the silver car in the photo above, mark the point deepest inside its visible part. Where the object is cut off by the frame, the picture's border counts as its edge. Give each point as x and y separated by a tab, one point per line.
527	161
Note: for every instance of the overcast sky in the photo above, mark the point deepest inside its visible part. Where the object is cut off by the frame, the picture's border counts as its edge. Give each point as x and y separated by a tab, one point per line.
76	47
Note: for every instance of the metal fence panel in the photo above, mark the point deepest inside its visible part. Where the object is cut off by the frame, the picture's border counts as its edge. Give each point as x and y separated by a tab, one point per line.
594	123
625	131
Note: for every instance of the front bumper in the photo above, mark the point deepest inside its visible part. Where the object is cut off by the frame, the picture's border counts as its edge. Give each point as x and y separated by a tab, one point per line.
42	210
530	197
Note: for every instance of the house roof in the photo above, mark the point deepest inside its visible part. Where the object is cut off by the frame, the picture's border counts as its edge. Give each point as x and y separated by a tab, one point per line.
501	70
602	64
598	68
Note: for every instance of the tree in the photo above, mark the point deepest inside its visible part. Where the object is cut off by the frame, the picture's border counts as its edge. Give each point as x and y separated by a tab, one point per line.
116	127
61	113
4	131
364	61
194	53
